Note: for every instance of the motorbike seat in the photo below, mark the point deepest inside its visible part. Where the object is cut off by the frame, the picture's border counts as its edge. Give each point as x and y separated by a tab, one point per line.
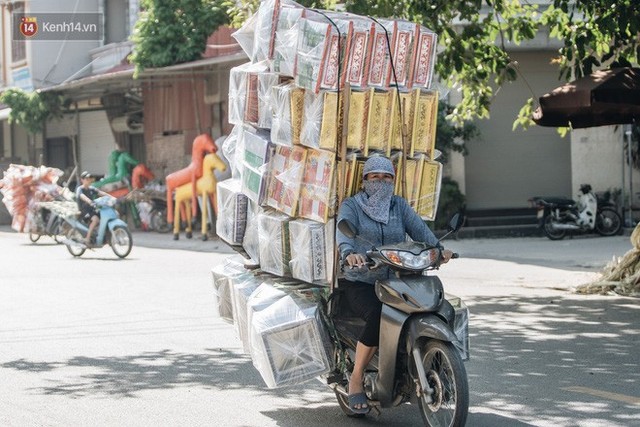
557	201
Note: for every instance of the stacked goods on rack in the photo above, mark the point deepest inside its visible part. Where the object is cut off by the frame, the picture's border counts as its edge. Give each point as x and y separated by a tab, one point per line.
286	105
23	187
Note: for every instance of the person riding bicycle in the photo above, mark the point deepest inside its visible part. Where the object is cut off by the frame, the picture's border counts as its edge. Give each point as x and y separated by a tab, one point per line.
86	194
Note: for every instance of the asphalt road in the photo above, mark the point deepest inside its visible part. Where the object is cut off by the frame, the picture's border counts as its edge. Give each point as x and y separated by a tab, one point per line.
103	342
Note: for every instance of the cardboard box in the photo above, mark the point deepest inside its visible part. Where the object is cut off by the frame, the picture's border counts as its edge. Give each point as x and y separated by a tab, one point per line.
273	234
286	168
312	259
317	195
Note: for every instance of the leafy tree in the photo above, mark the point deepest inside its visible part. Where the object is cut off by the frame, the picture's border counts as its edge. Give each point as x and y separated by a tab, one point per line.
32	109
174	31
474	34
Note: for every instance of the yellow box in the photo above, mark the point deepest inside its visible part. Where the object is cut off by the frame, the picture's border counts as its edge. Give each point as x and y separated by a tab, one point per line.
429	190
425	123
358	114
331	127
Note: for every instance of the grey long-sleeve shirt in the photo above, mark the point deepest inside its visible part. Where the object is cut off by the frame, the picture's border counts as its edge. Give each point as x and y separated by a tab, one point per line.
403	220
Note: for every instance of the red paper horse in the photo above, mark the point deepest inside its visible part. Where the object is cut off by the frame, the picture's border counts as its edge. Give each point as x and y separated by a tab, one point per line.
202	145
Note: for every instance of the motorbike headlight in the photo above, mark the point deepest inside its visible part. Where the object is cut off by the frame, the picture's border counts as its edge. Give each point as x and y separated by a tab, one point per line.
410	260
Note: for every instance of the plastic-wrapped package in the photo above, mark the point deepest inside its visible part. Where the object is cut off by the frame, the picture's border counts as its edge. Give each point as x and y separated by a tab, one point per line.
319	63
360	44
265	28
403	35
258	106
427	204
232	267
242	288
408	104
286	39
312	259
238	93
379	121
264	295
232	147
380	58
273	233
246	33
358	119
287	104
288	343
257	151
251	241
317	195
285	169
231	220
424	58
320	126
424	124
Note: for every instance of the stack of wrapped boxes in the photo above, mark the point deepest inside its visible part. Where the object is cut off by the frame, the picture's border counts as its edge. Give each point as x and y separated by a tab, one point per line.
286	108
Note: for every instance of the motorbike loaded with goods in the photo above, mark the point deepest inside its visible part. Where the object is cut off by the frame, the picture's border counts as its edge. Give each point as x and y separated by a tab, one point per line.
111	230
303	128
558	216
49	217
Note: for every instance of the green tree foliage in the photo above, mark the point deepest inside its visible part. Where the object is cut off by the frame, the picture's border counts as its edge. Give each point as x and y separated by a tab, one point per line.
474	36
32	109
174	31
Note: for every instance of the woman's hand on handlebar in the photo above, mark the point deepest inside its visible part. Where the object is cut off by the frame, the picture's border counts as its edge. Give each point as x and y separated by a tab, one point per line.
447	255
356	260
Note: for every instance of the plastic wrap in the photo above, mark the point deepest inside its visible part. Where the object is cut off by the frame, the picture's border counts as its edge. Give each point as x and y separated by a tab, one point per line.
246	33
380	58
379	121
238	93
404	34
273	232
424	124
264	295
319	64
360	44
257	151
287	104
286	168
460	325
427	204
242	287
286	39
320	125
251	242
424	58
312	259
265	82
408	103
265	28
23	187
231	220
230	268
288	343
358	119
232	147
317	195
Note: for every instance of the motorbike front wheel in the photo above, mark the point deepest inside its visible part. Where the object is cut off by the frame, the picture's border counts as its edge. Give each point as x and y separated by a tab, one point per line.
550	232
121	241
608	222
448	404
74	243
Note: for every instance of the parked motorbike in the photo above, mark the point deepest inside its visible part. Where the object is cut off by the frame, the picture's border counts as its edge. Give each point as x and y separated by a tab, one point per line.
111	230
423	337
557	215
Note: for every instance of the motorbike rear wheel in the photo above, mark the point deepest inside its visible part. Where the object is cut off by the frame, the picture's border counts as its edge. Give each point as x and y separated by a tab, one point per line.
447	377
608	222
74	242
34	237
121	241
550	232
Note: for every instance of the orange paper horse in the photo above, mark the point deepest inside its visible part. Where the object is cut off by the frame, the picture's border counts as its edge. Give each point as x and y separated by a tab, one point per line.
205	187
201	145
140	175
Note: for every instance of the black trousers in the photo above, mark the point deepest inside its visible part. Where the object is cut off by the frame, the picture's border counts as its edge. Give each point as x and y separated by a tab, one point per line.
363	301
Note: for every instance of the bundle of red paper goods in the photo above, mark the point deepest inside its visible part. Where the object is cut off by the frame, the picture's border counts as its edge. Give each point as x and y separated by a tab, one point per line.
23	187
289	170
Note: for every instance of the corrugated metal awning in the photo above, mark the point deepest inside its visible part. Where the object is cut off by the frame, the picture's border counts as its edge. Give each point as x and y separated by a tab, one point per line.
4	113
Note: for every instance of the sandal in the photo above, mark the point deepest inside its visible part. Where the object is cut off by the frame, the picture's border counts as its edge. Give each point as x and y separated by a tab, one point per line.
361	400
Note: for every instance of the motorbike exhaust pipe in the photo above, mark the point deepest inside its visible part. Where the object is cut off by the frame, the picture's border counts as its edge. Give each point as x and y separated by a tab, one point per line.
565	227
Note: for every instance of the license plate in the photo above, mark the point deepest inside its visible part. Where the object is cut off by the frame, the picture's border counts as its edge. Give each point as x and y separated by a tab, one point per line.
540	213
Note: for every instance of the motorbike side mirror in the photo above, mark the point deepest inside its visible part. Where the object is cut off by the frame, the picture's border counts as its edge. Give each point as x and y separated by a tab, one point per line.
347	228
455	223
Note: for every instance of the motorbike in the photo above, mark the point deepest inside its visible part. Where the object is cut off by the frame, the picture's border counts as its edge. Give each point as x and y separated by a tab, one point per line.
423	337
47	223
590	213
111	230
